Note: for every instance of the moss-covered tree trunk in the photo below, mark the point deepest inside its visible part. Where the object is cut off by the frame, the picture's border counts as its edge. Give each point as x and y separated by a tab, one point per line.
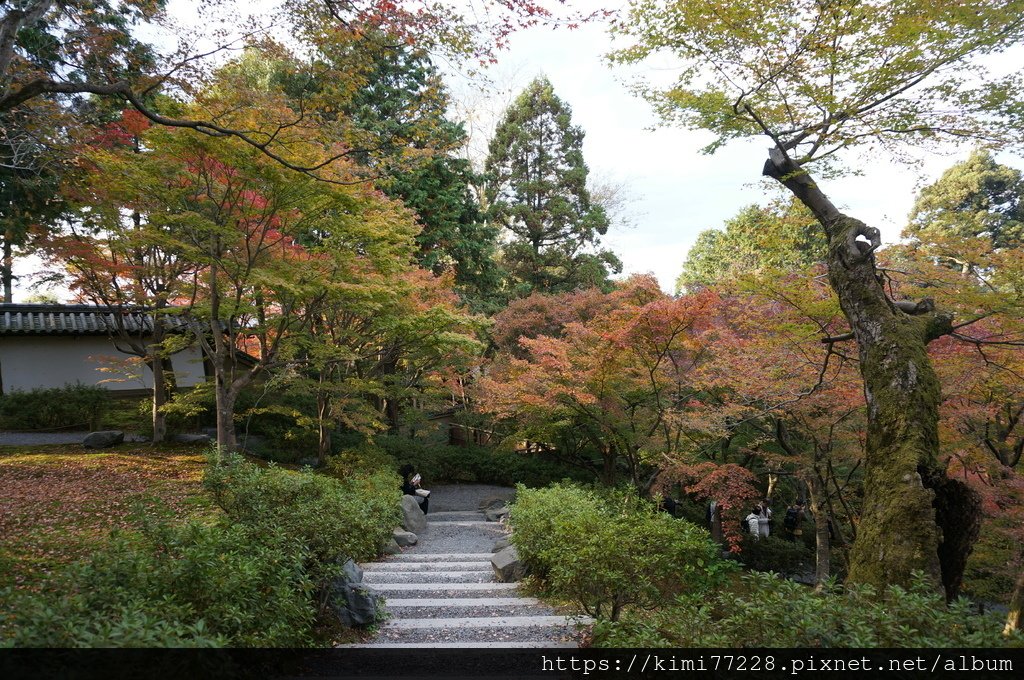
914	517
822	544
1013	619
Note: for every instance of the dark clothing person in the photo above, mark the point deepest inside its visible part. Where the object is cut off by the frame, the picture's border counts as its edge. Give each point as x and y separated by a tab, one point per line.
411	485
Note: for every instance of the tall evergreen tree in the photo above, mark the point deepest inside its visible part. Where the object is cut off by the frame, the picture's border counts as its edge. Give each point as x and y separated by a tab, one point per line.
537	191
976	198
402	105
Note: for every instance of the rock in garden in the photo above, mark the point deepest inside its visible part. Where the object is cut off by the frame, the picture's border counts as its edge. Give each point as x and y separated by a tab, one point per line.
507	567
191	438
352	603
413	518
352	572
496	514
493	502
500	545
404	538
392	547
103	439
309	461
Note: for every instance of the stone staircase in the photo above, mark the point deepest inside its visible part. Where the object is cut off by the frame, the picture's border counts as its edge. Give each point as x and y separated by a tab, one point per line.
436	598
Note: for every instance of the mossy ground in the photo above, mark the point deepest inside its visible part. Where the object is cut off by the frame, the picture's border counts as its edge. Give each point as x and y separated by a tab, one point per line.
60	502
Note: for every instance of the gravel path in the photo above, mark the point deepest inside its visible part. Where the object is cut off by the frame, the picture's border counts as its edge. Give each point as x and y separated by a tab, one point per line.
451	562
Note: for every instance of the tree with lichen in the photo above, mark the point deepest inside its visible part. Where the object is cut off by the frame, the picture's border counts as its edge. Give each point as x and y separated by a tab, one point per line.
815	78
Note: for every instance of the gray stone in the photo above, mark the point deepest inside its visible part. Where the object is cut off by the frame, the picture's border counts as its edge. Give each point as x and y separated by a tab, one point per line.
500	545
353	604
309	461
494	502
103	439
392	547
507	567
191	438
413	518
496	514
404	538
352	572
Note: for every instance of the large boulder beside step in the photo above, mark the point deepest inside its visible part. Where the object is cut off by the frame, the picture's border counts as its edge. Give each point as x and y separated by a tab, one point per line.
103	439
507	567
351	602
413	518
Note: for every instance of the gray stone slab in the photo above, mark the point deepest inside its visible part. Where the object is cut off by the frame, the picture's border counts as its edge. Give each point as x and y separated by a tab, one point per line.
374	577
487	622
480	565
440	557
446	587
398	602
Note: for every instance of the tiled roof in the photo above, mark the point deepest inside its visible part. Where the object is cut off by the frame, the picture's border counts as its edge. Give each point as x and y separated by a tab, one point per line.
75	320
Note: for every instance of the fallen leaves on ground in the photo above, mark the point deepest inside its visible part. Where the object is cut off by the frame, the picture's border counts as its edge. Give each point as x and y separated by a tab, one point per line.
58	503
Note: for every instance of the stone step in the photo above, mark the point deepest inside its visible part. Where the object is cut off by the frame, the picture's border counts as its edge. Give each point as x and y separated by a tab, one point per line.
439	614
372	578
541	644
407	565
500	622
445	636
456	514
442	587
439	557
463	523
398	602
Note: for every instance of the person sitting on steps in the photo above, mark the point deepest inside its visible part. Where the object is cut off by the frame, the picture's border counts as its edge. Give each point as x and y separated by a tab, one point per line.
411	487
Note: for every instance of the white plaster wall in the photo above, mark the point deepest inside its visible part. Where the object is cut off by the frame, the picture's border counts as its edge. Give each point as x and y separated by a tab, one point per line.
28	362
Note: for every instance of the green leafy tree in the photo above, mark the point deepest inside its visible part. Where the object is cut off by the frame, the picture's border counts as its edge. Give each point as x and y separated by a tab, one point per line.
775	237
816	77
537	191
402	105
975	199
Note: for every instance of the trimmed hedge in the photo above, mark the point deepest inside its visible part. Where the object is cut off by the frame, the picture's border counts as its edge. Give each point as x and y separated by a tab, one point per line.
606	552
54	407
771	612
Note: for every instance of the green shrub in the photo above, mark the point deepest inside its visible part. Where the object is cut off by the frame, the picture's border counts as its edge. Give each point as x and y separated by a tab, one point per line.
55	407
182	586
476	464
772	612
774	554
333	519
607	552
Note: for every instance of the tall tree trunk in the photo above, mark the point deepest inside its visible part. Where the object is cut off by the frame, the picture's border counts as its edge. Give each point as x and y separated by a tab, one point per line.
226	441
156	365
914	518
7	268
822	544
1013	620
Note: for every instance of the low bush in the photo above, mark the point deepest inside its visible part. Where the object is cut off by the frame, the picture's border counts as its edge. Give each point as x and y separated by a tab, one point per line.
333	519
771	612
52	408
610	551
476	464
774	554
187	586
